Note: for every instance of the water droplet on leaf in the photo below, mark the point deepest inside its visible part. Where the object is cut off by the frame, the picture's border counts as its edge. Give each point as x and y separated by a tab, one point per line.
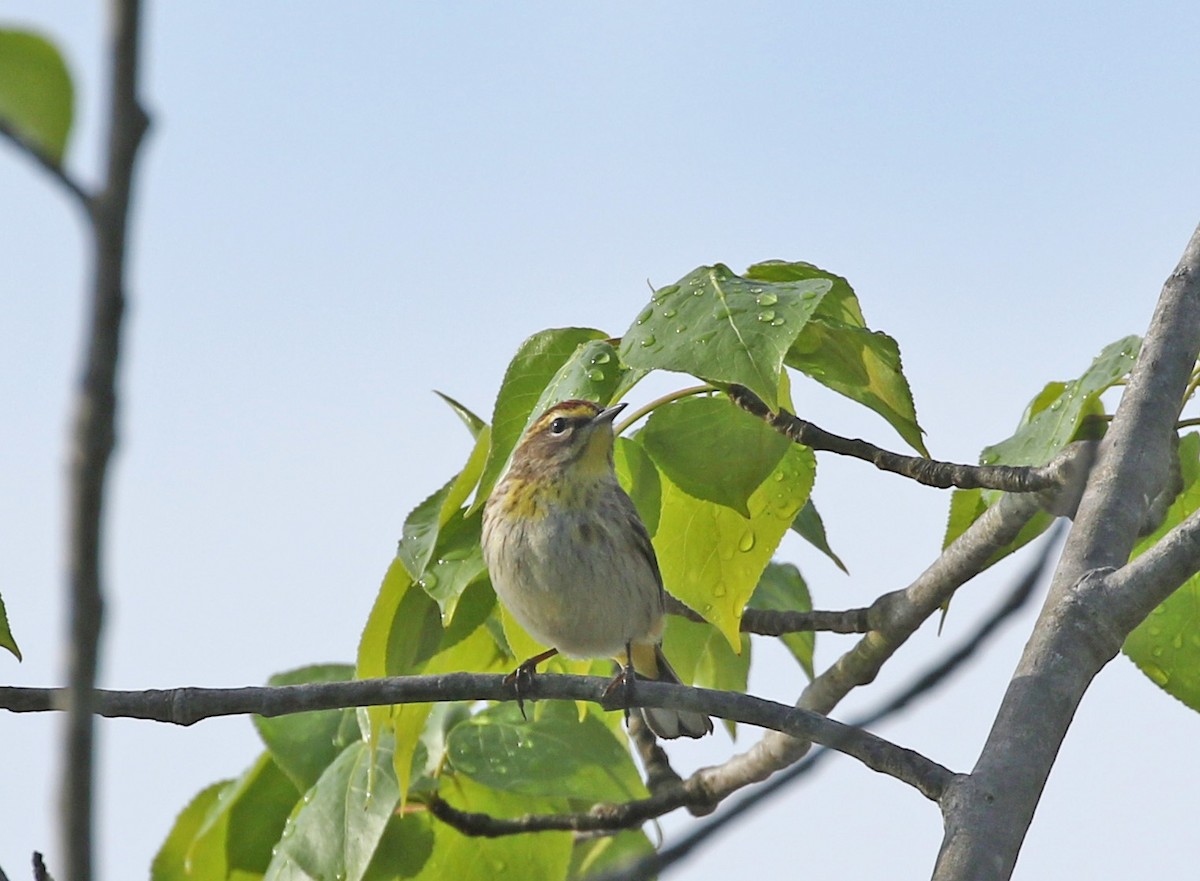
746	542
767	299
767	315
648	340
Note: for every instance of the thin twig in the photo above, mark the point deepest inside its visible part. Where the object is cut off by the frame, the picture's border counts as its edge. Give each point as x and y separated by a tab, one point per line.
93	440
768	622
48	164
1010	478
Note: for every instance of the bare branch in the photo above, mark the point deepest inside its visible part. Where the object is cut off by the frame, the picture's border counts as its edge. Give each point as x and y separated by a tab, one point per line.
48	163
1089	611
93	439
186	706
1010	478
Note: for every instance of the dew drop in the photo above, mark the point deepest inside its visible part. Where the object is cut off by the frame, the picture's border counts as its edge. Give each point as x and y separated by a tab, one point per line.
725	552
596	375
1155	631
429	581
1157	674
648	340
756	290
777	322
699	292
767	315
680	328
1177	642
746	542
645	316
767	299
1157	651
602	358
669	313
719	589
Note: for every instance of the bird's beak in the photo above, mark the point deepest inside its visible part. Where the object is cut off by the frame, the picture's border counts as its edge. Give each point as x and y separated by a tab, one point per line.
608	415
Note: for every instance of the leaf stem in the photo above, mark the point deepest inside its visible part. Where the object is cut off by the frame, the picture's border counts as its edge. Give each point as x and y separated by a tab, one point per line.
637	414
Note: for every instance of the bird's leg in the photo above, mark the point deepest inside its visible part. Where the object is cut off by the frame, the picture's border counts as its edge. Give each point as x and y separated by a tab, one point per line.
624	680
523	675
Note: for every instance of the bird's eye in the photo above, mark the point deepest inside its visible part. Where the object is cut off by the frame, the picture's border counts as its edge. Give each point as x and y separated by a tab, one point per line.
558	426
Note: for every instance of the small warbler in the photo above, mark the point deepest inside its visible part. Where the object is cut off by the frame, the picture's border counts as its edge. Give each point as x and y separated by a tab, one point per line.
570	557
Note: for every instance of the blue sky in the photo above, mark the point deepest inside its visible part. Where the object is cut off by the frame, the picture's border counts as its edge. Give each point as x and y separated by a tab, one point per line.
341	207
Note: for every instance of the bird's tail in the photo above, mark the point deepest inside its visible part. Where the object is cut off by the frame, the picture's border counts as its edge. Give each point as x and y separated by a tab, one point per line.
668	724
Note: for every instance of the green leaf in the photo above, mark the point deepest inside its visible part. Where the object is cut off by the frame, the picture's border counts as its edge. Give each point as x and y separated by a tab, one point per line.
423	525
36	95
338	824
1166	646
592	373
458	564
723	328
556	754
257	815
404	848
473	423
242	824
782	589
638	476
809	526
403	629
713	450
6	637
840	304
1052	420
420	532
1060	413
178	859
592	856
838	350
303	744
458	857
534	366
701	655
711	557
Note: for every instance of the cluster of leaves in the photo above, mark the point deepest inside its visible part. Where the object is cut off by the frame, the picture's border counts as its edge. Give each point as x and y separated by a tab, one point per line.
342	794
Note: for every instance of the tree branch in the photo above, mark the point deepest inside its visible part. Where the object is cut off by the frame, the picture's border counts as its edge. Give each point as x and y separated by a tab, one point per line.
1089	611
186	706
1010	478
768	622
94	438
48	163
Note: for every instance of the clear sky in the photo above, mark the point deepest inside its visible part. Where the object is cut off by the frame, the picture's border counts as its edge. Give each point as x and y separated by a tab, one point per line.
343	206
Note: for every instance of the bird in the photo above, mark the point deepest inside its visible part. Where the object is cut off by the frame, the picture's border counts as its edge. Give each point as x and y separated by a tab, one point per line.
571	560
